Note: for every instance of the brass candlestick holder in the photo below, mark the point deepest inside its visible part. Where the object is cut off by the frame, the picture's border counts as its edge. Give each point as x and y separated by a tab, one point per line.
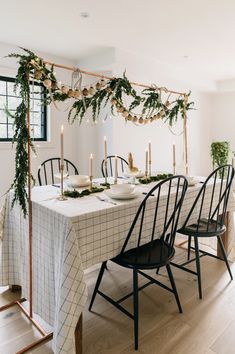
146	174
91	178
62	197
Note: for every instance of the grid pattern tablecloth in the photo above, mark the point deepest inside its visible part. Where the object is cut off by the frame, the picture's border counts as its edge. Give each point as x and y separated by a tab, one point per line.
68	237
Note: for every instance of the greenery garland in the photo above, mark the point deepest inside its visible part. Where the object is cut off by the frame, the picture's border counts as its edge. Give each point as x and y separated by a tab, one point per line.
114	91
156	178
76	194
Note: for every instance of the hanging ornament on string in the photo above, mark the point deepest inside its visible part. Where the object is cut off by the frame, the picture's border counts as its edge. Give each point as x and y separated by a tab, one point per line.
47	83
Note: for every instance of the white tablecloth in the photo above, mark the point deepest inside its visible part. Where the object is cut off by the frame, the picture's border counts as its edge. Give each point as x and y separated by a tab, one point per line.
68	237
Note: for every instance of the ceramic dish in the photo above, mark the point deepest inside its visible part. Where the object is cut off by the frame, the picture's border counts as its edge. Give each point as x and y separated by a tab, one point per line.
75	185
119	196
123	188
138	174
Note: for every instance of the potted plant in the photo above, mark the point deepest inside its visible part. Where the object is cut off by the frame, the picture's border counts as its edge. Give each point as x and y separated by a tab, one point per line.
219	153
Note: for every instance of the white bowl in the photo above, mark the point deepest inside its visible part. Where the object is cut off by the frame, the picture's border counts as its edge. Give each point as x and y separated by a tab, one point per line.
58	175
137	174
78	179
123	188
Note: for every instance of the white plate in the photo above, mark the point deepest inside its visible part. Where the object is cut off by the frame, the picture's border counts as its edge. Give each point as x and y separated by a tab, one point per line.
72	185
122	196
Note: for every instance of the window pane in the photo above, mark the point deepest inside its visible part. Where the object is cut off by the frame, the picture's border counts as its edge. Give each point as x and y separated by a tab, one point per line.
37	132
13	102
2	88
11	89
36	105
11	119
36	92
3	118
10	131
3	131
2	102
36	118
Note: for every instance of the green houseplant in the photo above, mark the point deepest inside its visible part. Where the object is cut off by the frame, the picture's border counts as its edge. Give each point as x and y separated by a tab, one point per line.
219	153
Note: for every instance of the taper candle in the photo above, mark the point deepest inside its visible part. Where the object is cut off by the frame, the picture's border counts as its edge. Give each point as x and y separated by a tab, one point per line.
62	145
105	148
146	163
115	170
150	156
91	165
174	159
105	158
62	197
150	151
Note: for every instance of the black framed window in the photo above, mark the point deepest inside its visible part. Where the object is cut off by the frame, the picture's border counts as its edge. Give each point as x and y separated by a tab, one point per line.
10	100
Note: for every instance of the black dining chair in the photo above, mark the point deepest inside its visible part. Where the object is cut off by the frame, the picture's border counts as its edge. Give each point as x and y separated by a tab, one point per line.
151	248
207	219
122	163
48	169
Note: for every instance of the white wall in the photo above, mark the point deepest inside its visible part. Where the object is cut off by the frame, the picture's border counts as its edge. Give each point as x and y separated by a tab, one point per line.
90	136
223	117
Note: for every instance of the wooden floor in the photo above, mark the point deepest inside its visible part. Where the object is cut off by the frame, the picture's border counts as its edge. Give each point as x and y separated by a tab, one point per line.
206	326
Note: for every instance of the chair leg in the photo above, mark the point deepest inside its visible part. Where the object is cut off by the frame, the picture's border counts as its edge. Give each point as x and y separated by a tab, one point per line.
97	284
136	307
225	256
189	246
170	275
198	267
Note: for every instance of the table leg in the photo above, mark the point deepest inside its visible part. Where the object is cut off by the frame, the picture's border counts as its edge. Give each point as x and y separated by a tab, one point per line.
224	238
78	336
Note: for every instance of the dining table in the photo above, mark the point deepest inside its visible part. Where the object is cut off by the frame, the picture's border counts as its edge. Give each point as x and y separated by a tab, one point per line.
70	236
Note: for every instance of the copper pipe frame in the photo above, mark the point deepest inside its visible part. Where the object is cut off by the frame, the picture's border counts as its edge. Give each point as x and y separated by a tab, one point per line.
30	226
29	314
185	136
45	337
89	73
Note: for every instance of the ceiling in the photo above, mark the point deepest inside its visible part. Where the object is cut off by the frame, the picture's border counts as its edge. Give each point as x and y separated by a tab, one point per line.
198	34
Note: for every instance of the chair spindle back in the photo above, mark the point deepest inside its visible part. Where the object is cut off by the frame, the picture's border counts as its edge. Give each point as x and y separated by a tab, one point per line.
122	163
48	169
216	189
157	216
